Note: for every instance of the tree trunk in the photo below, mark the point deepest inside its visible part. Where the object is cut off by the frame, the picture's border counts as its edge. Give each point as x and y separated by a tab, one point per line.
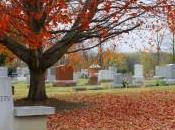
37	90
158	56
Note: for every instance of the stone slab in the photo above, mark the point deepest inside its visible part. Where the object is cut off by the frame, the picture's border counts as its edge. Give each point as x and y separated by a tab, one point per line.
6	104
64	83
105	75
33	111
30	123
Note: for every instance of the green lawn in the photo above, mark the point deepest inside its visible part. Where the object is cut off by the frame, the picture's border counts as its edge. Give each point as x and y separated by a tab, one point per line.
21	89
61	97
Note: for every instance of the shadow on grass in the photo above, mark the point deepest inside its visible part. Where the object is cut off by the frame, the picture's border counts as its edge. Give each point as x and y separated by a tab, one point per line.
60	105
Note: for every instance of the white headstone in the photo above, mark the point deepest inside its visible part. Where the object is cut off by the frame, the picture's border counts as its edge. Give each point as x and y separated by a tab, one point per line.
76	76
52	72
138	70
161	71
138	78
106	75
23	74
170	73
3	71
26	71
6	101
19	71
113	69
118	80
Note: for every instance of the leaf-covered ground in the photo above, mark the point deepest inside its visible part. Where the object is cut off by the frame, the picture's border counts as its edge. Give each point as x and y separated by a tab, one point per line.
150	110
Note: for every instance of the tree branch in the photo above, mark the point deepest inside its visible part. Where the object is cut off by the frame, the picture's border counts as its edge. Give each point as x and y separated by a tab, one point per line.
19	50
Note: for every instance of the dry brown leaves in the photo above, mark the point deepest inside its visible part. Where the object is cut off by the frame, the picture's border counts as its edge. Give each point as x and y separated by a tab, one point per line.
144	111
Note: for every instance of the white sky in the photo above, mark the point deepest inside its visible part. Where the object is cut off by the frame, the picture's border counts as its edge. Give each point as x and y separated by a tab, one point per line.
138	40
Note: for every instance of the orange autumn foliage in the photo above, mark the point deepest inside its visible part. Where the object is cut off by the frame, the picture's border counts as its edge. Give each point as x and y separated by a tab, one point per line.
111	57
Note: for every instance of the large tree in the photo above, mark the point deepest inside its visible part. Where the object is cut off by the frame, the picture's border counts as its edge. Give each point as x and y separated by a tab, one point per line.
40	32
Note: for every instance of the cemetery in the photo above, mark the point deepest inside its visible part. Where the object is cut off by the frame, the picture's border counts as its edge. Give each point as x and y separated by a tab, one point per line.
40	116
87	65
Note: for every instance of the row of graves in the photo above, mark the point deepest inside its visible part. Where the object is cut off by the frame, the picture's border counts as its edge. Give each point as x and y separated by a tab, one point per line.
166	73
97	76
64	75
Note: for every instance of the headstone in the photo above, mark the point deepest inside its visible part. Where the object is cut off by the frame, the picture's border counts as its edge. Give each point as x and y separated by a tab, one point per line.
170	74
113	69
3	71
19	71
76	76
170	71
138	70
106	75
53	73
64	76
118	80
93	70
84	73
23	74
93	74
49	76
6	101
138	78
160	72
64	72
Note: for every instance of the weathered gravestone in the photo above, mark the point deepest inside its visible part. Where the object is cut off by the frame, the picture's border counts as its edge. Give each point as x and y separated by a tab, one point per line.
76	76
118	80
138	78
6	101
105	75
48	75
160	72
23	74
93	74
52	74
64	76
170	74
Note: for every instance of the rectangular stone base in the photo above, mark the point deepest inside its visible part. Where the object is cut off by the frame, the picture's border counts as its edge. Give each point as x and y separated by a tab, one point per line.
32	117
64	83
31	123
170	81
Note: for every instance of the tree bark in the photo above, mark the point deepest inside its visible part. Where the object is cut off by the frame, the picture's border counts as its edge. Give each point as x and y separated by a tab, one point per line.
37	90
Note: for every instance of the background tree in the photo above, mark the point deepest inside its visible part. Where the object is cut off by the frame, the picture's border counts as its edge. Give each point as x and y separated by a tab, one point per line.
168	12
111	57
158	42
148	61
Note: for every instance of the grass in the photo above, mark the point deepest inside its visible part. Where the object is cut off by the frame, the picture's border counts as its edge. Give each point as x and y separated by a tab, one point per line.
55	94
21	89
